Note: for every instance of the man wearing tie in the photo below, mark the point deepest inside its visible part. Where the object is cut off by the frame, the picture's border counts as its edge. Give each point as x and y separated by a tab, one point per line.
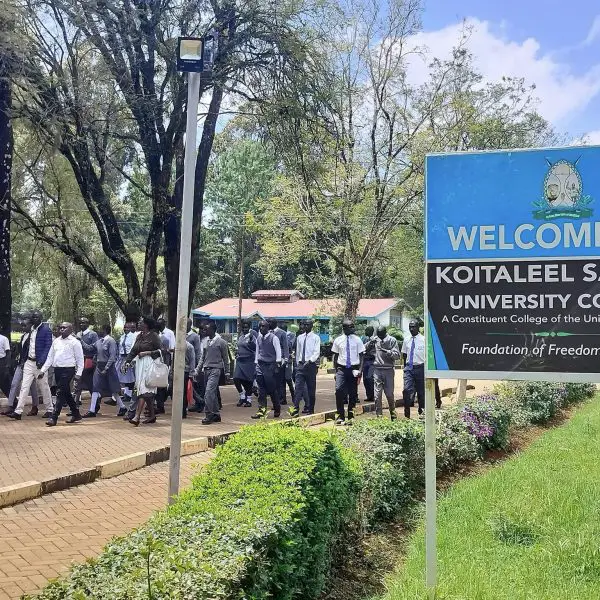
308	351
413	353
348	355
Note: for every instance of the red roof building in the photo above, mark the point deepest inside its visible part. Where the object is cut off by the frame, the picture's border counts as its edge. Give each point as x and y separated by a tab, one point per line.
290	306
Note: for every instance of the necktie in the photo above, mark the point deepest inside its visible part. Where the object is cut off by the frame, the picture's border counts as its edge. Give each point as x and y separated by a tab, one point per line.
304	349
412	354
348	363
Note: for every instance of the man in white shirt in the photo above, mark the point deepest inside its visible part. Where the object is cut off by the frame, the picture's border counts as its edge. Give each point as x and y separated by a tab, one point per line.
413	353
348	355
308	351
5	365
66	358
167	333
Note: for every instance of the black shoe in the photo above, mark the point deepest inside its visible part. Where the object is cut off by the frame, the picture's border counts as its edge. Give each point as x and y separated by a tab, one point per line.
122	412
74	419
46	415
15	416
6	412
33	412
195	408
276	414
209	420
110	402
261	414
247	404
283	403
89	415
149	421
241	402
293	412
50	423
305	411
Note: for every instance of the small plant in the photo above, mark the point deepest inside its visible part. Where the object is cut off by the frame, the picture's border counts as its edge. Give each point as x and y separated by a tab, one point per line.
513	531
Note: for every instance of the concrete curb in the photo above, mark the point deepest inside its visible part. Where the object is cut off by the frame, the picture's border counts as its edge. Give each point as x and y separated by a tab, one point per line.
28	490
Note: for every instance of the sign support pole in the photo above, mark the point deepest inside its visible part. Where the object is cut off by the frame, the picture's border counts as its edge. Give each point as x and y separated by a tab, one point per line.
183	293
430	490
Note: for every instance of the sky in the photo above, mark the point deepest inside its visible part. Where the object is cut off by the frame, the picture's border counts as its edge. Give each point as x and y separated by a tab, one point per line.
552	44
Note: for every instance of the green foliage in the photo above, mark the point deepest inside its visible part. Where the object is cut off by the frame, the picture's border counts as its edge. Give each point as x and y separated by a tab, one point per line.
261	521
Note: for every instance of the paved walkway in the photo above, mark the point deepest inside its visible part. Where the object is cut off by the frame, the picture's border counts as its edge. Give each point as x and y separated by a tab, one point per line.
30	451
39	539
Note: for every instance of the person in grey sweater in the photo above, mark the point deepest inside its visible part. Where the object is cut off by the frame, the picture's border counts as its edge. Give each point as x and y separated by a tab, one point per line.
190	367
386	353
215	362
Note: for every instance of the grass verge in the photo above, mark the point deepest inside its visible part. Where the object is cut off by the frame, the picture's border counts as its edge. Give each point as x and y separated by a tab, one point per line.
528	529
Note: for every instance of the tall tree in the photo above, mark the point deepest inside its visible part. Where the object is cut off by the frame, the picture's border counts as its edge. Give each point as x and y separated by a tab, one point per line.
354	150
100	86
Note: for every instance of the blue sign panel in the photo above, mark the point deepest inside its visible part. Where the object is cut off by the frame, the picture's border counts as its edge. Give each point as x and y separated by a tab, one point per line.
513	264
535	203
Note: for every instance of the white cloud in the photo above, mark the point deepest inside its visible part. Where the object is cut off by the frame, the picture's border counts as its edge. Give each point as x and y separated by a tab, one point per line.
593	33
561	92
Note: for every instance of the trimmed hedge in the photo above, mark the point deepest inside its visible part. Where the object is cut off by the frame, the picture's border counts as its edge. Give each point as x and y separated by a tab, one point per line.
264	519
261	521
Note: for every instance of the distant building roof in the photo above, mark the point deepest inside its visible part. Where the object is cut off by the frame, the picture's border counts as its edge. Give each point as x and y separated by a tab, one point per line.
227	308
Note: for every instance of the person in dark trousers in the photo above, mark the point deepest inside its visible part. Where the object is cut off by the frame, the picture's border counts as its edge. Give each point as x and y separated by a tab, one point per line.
268	362
308	352
369	341
245	367
40	342
348	355
215	362
413	354
66	358
23	351
289	367
285	357
198	377
127	378
88	339
386	354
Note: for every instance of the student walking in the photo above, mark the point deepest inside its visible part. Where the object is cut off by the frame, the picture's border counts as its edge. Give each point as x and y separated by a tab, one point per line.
308	352
66	358
88	339
386	353
348	354
215	364
268	362
413	353
245	367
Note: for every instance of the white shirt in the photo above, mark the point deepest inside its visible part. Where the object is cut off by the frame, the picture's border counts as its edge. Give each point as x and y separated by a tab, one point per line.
65	352
32	337
356	349
4	346
419	353
126	342
313	347
170	335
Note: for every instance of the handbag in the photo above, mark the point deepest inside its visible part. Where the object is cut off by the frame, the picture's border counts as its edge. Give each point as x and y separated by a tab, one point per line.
88	363
157	375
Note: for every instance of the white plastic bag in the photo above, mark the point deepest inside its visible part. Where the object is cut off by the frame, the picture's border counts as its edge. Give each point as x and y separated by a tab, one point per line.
157	375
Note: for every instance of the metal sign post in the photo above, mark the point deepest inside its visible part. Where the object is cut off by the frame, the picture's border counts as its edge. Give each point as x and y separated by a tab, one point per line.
430	490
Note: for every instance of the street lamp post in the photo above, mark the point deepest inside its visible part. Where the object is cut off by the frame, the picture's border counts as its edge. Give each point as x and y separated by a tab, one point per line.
194	55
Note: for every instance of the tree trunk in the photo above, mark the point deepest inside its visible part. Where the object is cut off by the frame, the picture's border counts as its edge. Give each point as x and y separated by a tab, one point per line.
6	152
353	296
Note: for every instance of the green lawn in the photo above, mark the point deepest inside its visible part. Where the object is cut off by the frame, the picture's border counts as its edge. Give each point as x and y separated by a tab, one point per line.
528	529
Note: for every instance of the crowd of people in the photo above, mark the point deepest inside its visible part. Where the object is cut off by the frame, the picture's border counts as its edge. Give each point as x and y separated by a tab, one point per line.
55	367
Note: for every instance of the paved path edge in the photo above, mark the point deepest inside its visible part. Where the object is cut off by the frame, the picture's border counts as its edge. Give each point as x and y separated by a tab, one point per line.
28	490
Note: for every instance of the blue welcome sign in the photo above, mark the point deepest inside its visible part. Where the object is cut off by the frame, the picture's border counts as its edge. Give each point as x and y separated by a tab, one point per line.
513	264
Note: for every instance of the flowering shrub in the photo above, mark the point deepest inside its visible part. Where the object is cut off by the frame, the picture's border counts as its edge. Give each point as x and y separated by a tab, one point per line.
456	445
488	420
